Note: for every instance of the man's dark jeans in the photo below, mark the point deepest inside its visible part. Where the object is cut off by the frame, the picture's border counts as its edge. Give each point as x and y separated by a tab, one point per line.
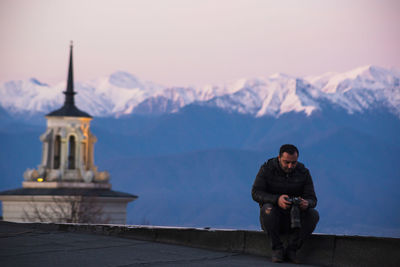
275	220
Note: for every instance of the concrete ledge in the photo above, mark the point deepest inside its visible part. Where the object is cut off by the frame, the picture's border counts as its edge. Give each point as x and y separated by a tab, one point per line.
323	250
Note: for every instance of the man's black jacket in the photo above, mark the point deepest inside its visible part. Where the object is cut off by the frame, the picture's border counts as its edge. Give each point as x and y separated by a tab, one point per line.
272	182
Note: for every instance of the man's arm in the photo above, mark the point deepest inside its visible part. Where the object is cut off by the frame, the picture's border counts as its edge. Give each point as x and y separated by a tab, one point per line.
308	192
259	190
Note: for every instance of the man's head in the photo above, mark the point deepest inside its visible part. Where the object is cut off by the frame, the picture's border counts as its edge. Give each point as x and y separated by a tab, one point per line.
288	155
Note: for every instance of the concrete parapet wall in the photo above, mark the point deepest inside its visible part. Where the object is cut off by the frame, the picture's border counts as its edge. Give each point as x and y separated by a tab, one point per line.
320	249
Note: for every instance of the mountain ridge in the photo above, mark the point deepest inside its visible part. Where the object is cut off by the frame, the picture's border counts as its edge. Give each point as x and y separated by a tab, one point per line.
122	94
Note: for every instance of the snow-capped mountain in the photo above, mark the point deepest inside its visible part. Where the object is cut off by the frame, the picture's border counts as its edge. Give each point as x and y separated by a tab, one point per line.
29	96
122	93
362	88
274	96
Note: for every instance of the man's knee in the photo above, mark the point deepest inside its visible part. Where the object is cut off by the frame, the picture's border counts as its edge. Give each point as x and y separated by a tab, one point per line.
311	216
266	209
268	216
265	214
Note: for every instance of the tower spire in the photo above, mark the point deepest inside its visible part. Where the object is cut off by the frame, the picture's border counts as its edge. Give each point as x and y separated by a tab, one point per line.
69	109
69	93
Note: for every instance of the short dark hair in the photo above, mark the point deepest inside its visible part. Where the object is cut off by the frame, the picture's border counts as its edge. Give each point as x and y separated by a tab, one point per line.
288	148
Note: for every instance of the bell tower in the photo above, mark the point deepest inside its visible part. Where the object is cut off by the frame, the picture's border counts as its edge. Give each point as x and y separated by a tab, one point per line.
68	144
66	186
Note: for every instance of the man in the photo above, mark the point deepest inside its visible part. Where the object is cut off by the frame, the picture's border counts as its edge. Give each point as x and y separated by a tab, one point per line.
277	181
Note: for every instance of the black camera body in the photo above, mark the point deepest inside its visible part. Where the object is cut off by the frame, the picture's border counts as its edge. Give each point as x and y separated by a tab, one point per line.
295	221
294	200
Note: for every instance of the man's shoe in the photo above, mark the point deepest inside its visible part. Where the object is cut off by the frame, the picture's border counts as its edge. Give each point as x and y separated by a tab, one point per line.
277	255
291	256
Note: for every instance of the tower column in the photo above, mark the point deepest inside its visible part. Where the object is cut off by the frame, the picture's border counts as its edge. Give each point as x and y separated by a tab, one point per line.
46	138
45	155
63	157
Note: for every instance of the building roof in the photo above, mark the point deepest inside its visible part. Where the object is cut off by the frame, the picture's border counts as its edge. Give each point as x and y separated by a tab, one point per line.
66	192
43	244
69	109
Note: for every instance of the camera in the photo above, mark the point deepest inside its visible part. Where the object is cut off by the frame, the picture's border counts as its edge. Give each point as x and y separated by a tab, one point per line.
294	212
294	200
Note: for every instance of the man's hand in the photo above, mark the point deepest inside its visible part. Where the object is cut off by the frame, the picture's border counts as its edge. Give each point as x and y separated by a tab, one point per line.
283	203
303	204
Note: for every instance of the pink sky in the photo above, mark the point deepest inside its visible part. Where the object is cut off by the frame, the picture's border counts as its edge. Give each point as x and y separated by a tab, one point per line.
187	42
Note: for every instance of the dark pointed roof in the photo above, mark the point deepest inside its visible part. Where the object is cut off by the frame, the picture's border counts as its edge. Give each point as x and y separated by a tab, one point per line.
69	109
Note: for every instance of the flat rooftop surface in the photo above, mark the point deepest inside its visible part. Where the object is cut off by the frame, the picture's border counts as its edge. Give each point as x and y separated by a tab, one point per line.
24	245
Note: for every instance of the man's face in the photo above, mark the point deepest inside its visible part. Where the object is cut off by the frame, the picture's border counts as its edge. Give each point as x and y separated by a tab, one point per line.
288	161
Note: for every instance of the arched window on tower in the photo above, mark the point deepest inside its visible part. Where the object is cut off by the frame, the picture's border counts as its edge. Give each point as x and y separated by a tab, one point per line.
57	152
71	152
